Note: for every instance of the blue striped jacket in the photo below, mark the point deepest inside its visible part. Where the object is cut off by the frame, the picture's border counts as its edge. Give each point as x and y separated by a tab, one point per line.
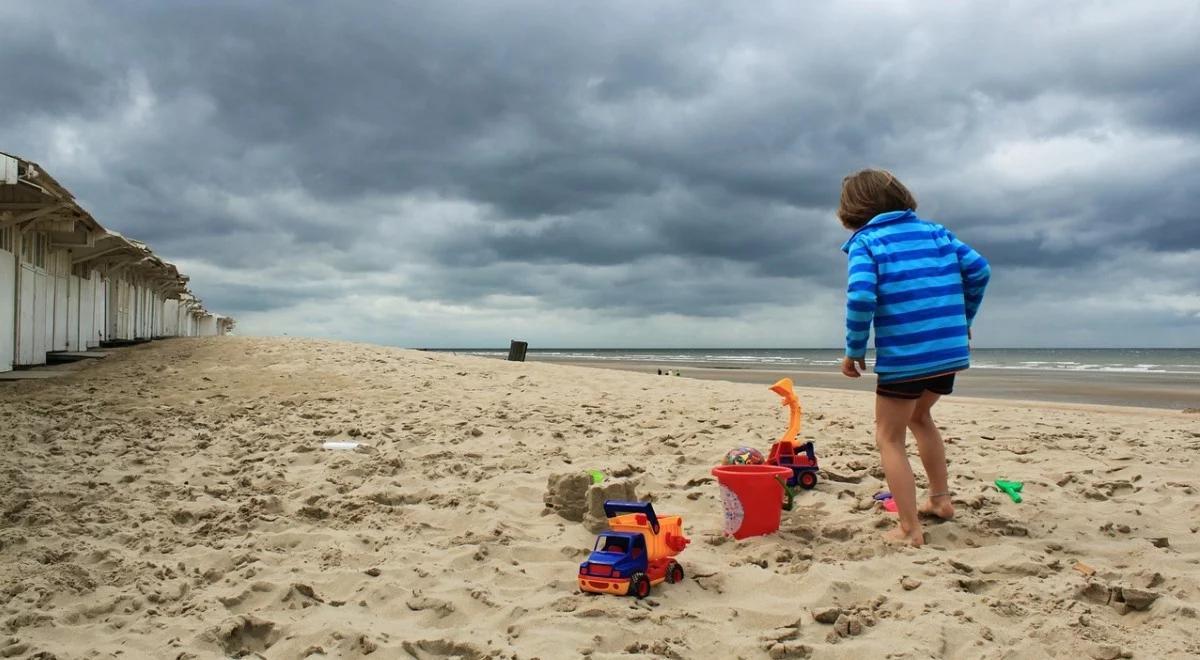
921	287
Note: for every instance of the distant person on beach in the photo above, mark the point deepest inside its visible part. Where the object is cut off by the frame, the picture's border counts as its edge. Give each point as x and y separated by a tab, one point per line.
921	288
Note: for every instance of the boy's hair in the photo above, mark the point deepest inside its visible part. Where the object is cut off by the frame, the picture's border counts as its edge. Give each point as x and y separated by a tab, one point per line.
867	193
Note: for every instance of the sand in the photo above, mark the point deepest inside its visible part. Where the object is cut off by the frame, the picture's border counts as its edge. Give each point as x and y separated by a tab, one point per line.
174	501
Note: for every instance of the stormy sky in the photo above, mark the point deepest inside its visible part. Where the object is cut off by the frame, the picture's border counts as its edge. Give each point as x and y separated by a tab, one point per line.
623	173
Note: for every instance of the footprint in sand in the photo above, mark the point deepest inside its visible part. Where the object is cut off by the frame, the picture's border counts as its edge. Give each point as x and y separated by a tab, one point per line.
301	596
246	599
437	649
420	603
244	635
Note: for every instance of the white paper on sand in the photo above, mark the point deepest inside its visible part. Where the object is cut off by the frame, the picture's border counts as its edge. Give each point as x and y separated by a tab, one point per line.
340	445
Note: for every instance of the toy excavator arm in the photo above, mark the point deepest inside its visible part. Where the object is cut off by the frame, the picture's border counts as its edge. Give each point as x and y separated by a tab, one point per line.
784	389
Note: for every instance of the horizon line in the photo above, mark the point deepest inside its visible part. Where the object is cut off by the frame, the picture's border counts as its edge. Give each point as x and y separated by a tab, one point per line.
804	348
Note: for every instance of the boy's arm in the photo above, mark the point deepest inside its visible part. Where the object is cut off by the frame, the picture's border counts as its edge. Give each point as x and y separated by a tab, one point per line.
975	273
860	300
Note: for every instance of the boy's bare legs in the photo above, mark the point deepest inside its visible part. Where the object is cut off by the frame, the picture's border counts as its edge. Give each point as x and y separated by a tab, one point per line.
933	457
891	426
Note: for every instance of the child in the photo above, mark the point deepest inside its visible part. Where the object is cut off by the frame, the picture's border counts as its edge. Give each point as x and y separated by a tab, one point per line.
921	287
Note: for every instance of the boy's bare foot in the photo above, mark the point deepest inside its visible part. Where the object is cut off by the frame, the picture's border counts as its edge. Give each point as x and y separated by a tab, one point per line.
938	506
914	538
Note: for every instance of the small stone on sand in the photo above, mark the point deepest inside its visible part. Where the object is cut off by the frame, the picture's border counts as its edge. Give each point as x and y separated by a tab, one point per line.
855	625
827	615
1138	599
842	626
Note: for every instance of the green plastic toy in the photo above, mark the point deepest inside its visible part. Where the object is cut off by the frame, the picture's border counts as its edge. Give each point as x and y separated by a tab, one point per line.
597	476
1012	488
789	492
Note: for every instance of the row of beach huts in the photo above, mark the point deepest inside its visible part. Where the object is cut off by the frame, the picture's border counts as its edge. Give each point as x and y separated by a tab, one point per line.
67	284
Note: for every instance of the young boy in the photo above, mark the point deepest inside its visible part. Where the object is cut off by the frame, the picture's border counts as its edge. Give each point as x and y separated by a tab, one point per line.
921	287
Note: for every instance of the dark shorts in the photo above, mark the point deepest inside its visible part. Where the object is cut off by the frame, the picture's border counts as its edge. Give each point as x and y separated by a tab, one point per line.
913	389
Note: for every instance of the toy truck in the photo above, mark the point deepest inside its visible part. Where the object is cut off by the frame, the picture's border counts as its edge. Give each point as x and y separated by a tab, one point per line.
637	553
801	458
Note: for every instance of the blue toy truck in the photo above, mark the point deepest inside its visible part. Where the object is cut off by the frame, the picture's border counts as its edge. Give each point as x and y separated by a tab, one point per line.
636	554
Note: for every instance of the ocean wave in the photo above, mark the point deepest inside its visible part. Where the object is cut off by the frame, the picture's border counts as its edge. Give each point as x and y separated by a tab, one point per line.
1105	368
1000	359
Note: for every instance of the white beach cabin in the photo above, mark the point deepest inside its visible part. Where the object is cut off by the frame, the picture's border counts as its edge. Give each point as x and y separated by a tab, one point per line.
40	299
67	284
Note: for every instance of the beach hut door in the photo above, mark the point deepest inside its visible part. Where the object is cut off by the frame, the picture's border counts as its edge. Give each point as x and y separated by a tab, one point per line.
8	304
27	329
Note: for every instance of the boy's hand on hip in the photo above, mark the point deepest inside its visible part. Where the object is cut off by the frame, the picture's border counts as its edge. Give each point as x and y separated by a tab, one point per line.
853	367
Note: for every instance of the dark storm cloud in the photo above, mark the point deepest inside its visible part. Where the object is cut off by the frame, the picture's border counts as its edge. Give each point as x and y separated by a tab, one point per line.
682	224
626	157
49	80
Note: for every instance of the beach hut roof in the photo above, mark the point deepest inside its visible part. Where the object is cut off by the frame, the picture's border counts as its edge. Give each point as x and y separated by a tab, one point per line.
31	198
109	247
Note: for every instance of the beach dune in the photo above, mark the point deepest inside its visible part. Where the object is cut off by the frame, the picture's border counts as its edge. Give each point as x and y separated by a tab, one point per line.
176	501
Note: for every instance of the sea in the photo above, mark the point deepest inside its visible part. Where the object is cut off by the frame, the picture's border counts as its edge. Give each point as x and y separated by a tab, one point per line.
1096	360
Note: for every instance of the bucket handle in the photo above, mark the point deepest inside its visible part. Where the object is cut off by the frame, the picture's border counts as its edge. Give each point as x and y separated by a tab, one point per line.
791	494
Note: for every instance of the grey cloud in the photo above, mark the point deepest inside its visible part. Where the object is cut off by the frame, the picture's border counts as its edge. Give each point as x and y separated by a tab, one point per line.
625	158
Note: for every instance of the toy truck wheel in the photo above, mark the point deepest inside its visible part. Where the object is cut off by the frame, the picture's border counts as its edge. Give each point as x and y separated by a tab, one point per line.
674	573
808	480
639	586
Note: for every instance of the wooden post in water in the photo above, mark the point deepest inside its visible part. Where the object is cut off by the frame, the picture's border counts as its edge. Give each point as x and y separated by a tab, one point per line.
516	351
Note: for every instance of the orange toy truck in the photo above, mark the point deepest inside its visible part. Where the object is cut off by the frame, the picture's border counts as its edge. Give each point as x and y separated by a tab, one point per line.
636	554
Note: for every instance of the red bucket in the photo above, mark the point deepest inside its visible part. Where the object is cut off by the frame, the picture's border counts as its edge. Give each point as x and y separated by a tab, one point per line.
752	496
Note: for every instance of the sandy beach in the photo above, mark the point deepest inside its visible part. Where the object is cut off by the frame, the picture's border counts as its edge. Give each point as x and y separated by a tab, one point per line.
175	501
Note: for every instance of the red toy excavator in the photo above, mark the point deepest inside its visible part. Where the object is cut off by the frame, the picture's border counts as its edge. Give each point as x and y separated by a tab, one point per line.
801	458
